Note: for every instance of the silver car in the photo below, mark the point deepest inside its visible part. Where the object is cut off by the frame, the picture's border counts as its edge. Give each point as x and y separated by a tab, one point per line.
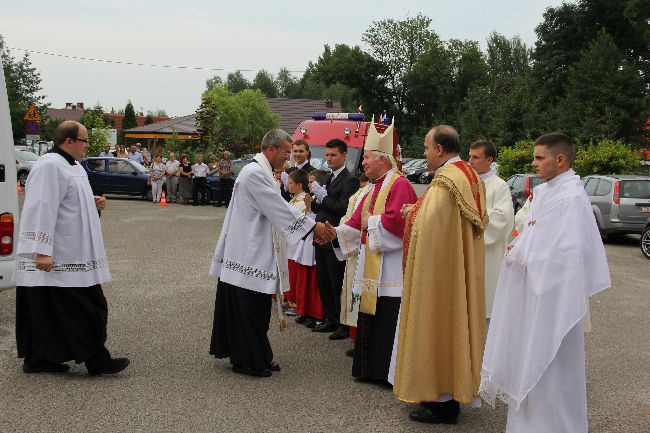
621	203
25	160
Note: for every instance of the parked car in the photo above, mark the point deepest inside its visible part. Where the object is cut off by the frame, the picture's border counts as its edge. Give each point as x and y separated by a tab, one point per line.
621	203
117	176
25	160
417	171
645	239
214	187
521	186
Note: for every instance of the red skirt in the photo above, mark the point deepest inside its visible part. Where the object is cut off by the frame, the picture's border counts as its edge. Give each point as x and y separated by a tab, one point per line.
304	290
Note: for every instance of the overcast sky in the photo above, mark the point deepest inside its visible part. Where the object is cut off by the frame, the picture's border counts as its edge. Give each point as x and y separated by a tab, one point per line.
239	35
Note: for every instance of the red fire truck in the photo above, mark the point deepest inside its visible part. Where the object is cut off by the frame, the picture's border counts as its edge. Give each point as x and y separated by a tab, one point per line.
349	127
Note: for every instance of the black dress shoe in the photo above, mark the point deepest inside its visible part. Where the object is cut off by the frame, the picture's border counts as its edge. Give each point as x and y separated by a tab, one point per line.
310	323
341	333
265	372
326	326
274	366
349	352
43	366
427	416
301	319
116	365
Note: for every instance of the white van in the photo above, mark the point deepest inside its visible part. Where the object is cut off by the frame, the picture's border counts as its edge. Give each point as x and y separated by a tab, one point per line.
8	192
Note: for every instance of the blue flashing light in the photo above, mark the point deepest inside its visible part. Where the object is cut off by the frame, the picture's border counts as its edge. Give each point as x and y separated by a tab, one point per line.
318	116
356	116
387	120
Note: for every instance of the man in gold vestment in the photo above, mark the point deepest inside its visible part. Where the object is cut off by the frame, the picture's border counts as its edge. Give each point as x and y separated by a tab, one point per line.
442	320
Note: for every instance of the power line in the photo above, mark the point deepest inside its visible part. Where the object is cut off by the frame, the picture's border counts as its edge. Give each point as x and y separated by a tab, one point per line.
122	62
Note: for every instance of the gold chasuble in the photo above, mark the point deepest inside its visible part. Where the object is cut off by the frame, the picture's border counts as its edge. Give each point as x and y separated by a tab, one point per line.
442	318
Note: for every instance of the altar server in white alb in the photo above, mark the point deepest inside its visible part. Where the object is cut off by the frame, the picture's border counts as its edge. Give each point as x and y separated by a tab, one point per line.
61	311
251	262
535	356
501	214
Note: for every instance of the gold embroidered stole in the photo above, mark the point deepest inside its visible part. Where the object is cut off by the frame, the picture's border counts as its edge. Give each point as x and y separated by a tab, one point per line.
372	262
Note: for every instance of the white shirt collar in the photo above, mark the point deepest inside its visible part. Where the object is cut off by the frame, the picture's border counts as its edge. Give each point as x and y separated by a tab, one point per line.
303	164
449	161
557	179
336	173
486	176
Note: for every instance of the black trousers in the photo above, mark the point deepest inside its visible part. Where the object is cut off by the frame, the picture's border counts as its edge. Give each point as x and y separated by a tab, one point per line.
200	190
60	324
329	273
373	346
225	189
240	327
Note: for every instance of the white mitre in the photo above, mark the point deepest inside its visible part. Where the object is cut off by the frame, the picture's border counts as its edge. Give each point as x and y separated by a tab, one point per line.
381	142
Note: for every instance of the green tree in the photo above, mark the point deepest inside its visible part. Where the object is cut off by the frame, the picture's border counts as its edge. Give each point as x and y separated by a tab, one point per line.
213	82
516	159
129	121
286	84
236	82
148	120
606	157
605	95
236	122
265	82
23	83
47	130
98	130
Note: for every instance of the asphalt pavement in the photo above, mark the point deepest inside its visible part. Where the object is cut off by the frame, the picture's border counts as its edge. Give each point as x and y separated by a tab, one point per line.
161	302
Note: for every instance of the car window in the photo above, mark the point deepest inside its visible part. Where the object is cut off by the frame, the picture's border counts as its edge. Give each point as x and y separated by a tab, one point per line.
96	165
511	180
141	168
518	183
24	155
590	187
635	189
120	167
604	187
536	181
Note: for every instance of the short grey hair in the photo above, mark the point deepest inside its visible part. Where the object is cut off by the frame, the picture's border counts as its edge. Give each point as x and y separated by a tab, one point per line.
275	138
378	155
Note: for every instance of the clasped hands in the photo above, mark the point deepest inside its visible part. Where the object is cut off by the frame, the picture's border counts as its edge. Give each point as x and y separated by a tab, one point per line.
324	233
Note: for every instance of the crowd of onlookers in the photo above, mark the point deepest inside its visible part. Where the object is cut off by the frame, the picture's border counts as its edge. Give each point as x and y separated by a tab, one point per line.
180	180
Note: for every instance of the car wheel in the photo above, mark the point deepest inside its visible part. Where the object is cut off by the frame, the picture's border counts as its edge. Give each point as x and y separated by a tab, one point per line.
22	177
424	178
148	195
645	242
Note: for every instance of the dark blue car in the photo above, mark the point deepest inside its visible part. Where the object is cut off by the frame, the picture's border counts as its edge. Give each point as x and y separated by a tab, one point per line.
214	186
117	176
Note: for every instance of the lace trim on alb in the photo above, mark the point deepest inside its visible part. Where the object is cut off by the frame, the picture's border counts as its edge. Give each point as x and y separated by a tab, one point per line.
288	231
490	392
89	266
40	237
249	270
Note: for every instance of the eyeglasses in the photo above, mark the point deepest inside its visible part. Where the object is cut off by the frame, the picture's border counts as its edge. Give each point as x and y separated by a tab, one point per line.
81	139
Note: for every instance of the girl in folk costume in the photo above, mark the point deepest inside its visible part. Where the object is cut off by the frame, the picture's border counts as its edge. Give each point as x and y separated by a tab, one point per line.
304	296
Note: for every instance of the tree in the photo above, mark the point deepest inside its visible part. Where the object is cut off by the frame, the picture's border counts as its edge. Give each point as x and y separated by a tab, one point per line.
23	83
516	159
606	157
47	130
265	83
213	82
605	95
129	121
236	82
148	120
158	112
236	122
98	131
286	84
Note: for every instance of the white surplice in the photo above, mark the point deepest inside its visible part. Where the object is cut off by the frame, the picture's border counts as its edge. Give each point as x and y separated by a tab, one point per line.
60	219
501	214
246	255
534	356
302	252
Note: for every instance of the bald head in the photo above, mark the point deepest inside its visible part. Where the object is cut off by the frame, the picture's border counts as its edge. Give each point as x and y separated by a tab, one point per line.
447	137
67	129
72	137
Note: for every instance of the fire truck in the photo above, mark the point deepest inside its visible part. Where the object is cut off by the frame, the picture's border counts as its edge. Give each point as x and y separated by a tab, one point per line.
349	127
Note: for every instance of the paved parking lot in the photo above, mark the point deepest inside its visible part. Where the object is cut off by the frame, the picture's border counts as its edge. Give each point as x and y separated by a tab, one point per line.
161	302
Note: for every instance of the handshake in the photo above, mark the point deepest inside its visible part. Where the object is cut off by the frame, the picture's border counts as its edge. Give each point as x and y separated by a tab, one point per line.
324	233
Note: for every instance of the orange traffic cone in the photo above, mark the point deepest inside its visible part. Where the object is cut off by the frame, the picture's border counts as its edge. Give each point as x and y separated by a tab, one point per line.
20	190
163	199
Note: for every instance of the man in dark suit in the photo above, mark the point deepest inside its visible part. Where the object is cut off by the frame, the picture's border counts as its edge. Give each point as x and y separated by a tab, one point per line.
330	204
301	157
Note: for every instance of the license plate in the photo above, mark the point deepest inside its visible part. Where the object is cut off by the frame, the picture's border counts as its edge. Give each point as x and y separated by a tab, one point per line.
644	209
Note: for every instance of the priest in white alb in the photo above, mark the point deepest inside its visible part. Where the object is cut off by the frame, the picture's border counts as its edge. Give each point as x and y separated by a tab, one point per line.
535	353
375	231
61	311
498	201
251	262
